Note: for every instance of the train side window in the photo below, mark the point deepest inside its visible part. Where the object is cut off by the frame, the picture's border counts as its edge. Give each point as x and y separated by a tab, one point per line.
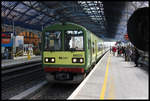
100	46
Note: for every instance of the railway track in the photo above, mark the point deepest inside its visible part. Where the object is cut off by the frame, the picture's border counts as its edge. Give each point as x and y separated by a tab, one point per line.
20	77
20	70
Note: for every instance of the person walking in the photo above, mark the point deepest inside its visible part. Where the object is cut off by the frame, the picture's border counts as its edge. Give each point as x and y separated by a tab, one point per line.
127	54
6	53
118	51
123	51
110	49
130	53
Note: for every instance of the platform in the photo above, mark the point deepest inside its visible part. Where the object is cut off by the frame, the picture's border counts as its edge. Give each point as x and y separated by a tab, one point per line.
18	60
114	78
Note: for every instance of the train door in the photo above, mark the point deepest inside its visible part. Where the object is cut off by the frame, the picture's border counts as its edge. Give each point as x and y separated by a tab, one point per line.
90	51
96	49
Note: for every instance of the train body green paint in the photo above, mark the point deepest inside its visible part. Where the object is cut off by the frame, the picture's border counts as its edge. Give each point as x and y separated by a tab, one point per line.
69	49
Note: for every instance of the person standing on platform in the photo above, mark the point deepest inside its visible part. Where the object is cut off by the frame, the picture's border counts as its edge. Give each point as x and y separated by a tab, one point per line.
133	54
130	53
123	50
118	50
126	53
114	50
110	49
127	57
6	53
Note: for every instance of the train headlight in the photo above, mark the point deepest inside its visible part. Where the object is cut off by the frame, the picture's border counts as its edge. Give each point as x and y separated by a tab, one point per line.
81	60
77	60
74	60
46	59
52	60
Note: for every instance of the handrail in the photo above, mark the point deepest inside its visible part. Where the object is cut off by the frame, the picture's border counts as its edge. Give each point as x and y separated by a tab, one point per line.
18	53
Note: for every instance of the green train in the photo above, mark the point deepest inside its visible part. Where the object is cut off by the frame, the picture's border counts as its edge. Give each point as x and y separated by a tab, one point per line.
69	51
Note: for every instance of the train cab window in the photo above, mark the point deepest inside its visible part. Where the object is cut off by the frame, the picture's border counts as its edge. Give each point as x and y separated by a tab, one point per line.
52	40
73	40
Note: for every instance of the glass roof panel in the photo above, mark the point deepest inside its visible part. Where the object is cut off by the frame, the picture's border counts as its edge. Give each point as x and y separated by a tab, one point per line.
8	4
46	18
94	9
33	2
31	12
27	12
40	16
21	8
33	21
24	18
27	2
16	17
9	16
4	12
14	13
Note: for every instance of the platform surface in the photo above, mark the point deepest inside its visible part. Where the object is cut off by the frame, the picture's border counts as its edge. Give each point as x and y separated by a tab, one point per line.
18	60
114	78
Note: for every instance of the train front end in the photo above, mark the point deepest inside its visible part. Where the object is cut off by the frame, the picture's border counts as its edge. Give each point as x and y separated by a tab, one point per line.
64	55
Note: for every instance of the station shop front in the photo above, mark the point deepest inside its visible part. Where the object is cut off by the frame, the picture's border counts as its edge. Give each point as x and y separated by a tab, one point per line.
14	46
6	45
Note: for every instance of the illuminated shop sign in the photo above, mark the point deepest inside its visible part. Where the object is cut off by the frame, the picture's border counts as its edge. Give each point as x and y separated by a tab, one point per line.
6	39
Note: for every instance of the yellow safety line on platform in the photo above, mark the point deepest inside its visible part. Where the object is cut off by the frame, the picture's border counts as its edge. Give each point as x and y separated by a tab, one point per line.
105	80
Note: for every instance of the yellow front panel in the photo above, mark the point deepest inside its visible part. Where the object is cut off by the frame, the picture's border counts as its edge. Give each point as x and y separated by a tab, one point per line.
64	58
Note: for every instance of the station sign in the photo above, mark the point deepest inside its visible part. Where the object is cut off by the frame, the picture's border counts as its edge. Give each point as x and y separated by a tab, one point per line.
5	41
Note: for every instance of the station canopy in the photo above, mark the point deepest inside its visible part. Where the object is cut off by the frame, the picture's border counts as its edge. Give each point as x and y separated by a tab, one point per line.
105	19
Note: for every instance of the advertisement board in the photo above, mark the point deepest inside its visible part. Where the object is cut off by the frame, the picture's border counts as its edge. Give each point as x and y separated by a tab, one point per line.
6	39
19	41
